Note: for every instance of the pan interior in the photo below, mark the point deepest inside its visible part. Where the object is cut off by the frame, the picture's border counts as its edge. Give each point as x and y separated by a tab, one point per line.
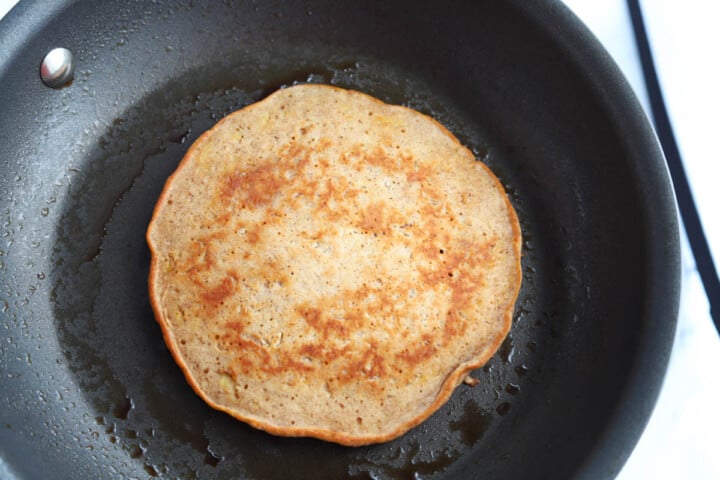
109	401
115	349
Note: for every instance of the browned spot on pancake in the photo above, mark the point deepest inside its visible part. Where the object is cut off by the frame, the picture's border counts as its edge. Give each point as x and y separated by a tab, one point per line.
200	256
283	362
379	158
253	234
355	157
312	316
332	199
251	357
294	153
323	352
420	175
259	185
317	235
330	192
417	354
223	219
371	364
201	259
430	211
327	326
379	218
372	220
401	163
220	292
454	325
236	327
323	144
461	272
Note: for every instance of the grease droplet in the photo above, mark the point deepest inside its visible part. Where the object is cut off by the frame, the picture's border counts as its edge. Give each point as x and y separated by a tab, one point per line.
211	458
180	137
122	409
137	451
151	470
507	350
512	389
503	408
472	424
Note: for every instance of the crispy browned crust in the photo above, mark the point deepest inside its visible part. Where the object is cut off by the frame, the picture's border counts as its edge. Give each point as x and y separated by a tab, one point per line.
318	317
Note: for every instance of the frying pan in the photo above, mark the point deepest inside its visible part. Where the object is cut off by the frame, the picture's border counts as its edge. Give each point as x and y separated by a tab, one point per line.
89	389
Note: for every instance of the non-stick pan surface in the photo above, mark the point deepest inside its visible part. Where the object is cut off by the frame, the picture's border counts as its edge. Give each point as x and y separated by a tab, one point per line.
89	389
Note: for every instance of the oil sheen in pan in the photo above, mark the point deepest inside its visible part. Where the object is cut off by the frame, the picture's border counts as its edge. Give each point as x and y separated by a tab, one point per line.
146	419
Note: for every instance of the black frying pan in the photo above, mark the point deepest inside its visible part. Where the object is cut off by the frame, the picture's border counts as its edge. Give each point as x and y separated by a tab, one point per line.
88	387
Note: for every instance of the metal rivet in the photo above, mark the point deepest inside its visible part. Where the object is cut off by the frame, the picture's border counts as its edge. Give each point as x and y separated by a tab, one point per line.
57	68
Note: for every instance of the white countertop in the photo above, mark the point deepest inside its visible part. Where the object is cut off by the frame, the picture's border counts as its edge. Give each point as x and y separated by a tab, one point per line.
5	6
682	437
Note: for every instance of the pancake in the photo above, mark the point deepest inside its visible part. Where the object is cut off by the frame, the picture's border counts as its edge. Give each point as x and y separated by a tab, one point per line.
328	265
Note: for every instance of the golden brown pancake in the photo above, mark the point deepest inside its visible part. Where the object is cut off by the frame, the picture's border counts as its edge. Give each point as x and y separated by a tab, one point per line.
328	265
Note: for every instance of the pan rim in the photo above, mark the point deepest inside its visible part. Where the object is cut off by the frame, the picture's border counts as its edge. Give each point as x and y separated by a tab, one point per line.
662	296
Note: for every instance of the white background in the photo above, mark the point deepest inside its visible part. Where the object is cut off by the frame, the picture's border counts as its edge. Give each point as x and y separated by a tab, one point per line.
683	436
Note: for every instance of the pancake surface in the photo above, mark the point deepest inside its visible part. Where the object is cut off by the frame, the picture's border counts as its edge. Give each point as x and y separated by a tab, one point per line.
328	265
